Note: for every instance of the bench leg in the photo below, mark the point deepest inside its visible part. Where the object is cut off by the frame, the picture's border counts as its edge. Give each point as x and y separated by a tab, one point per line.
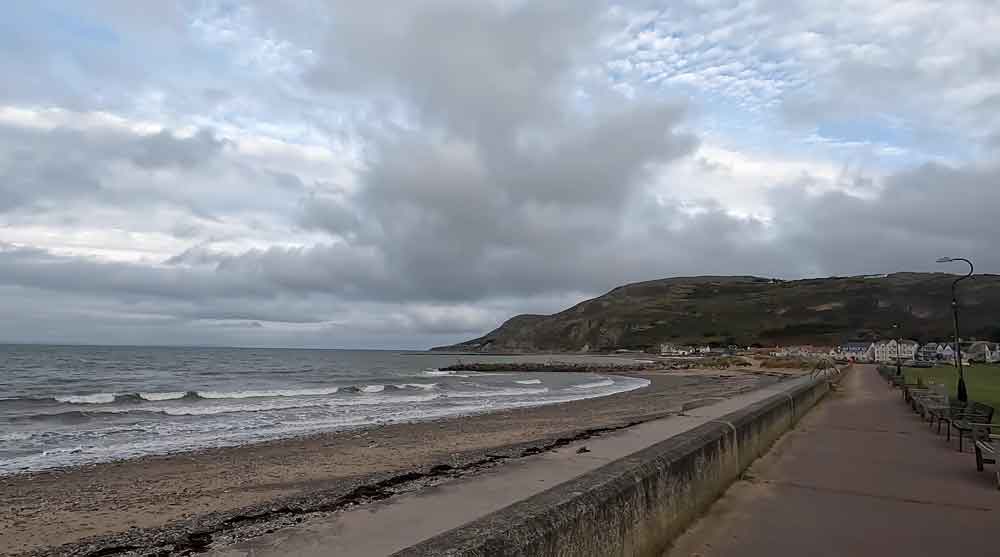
979	459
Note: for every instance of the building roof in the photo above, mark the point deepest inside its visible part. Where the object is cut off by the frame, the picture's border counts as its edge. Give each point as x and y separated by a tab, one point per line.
857	344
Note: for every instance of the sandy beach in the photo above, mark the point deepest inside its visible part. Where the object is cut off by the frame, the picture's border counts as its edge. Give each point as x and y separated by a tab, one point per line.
145	505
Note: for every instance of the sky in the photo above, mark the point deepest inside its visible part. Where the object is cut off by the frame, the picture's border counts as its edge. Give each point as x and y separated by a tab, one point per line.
401	175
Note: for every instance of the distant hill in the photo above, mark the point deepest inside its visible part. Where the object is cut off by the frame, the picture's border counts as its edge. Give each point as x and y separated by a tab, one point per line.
747	310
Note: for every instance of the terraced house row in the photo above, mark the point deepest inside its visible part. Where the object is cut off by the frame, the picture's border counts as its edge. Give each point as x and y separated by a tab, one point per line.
888	351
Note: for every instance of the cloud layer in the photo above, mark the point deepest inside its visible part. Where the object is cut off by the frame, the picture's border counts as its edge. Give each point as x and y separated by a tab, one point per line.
346	175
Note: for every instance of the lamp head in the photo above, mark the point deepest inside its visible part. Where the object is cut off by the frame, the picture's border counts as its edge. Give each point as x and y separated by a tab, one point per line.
944	259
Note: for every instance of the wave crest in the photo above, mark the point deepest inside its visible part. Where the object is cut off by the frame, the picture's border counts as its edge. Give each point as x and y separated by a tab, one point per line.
595	384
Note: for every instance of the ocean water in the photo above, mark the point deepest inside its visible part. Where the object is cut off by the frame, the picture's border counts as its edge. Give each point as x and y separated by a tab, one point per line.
73	405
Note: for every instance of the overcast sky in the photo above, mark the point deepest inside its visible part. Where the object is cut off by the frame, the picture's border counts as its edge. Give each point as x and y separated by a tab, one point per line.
404	174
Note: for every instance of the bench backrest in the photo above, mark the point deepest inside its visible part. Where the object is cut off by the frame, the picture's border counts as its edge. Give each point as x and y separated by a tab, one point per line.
983	410
940	390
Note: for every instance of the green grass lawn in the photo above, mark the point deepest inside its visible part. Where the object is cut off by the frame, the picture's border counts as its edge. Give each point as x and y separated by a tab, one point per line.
981	380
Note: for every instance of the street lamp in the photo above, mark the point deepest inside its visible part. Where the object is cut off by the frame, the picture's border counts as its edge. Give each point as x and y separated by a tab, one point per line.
963	395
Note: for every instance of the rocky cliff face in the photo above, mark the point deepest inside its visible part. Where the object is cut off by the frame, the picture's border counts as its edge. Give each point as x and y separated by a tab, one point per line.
754	310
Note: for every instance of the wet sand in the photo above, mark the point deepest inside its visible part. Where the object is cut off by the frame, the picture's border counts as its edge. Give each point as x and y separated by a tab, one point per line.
152	502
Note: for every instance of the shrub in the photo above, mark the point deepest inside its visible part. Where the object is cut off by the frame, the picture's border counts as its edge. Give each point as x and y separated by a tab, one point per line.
787	363
725	362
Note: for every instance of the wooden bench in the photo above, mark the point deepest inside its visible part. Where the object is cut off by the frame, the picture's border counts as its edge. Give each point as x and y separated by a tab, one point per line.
911	392
987	438
942	414
935	398
963	421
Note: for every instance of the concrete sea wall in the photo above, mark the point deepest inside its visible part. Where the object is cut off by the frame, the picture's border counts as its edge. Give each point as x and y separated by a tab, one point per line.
637	505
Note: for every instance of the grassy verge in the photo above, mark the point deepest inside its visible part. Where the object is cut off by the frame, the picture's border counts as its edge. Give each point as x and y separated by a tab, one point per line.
981	380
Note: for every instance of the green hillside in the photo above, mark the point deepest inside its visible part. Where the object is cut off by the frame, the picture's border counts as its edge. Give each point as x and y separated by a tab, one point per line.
753	310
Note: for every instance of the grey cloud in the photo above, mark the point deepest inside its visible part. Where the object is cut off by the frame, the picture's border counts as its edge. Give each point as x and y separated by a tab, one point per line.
810	235
164	149
921	214
287	181
29	177
452	218
479	69
39	168
330	214
37	268
510	167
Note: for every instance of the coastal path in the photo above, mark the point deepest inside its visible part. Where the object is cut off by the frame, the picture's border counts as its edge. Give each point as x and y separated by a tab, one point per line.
860	475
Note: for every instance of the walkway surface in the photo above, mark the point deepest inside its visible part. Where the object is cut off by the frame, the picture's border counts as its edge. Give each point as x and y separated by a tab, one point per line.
861	475
400	522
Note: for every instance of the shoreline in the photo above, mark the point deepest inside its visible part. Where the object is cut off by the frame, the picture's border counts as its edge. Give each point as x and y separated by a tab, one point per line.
161	500
308	436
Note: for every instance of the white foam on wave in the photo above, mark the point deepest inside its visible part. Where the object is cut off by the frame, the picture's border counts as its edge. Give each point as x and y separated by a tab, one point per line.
270	393
595	384
264	406
373	388
505	392
156	397
386	400
97	398
15	436
424	386
61	451
437	372
277	405
529	382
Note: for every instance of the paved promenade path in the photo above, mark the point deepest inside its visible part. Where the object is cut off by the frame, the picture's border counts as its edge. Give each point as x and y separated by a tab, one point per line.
860	475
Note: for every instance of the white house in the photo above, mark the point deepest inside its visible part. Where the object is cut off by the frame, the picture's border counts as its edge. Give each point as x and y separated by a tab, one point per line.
945	352
928	352
853	351
891	350
981	351
675	350
885	350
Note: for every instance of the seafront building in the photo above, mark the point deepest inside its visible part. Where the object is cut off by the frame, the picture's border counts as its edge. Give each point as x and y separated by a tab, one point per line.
852	351
982	352
890	350
883	351
667	349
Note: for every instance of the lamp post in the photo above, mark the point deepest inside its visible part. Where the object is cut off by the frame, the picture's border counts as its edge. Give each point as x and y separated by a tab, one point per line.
963	395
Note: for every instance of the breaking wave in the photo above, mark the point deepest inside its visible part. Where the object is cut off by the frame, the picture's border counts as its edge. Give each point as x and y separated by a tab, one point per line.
137	398
595	384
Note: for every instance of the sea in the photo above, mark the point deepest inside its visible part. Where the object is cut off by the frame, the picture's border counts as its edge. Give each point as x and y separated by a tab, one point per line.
76	405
